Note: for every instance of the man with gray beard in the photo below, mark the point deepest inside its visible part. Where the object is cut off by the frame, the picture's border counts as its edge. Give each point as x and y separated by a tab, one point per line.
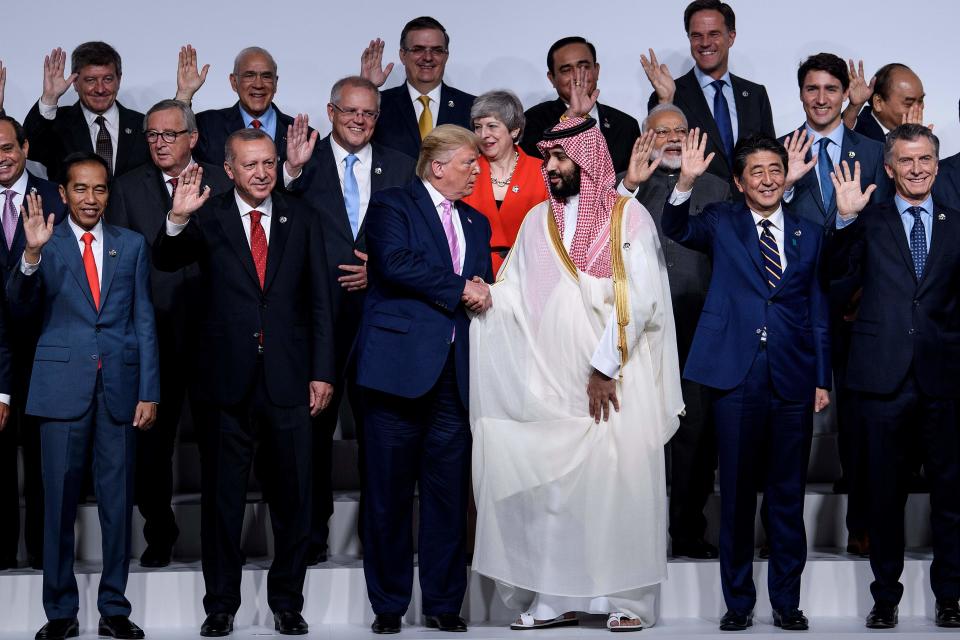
691	453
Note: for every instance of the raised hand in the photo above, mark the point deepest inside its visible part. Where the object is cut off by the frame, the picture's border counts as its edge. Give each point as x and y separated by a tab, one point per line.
693	164
189	80
659	76
798	145
300	144
356	278
641	168
581	102
851	199
914	115
371	63
54	84
860	89
36	229
189	197
320	395
3	83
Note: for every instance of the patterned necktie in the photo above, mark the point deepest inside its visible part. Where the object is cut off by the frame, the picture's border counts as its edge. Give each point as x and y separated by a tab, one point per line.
90	266
825	168
9	217
258	245
770	254
721	114
255	123
918	241
446	217
104	143
426	118
351	194
173	186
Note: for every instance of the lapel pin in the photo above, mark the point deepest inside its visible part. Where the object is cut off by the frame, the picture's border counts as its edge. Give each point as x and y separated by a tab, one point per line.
942	216
450	104
112	253
798	233
851	154
515	189
128	130
606	123
626	245
377	170
469	219
283	219
33	190
745	94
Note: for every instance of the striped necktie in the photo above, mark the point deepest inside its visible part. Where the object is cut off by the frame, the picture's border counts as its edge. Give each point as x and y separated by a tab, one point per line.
770	254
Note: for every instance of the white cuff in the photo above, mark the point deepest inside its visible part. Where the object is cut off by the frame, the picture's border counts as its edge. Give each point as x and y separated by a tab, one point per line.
47	111
5	398
174	228
622	190
843	222
287	178
28	269
678	197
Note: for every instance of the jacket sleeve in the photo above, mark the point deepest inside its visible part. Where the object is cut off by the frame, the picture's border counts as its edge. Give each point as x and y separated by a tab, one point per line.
171	253
323	366
144	323
693	232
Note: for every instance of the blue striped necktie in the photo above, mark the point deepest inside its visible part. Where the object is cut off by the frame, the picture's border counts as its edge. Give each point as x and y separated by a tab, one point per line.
770	254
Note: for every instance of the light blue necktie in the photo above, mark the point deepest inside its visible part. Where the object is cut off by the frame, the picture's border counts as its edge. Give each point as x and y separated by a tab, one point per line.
825	168
351	194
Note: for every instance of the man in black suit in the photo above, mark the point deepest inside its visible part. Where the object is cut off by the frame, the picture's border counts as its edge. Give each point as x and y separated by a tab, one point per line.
692	451
340	173
893	97
254	79
409	112
727	107
904	362
564	57
96	122
15	183
265	363
140	201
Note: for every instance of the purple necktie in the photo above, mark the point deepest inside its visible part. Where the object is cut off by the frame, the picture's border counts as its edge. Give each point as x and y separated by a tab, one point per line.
9	217
446	217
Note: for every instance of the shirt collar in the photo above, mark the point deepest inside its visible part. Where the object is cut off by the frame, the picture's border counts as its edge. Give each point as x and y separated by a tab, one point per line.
166	176
882	128
435	195
835	136
903	205
365	155
111	115
434	94
266	120
265	207
20	186
78	231
705	80
775	218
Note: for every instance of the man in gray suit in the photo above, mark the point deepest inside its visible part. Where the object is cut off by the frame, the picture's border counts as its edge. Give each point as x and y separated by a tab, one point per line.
692	454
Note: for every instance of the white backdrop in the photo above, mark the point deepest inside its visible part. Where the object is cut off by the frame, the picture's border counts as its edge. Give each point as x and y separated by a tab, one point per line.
494	44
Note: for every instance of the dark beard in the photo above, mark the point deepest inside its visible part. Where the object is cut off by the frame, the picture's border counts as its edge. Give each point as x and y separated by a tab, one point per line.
569	185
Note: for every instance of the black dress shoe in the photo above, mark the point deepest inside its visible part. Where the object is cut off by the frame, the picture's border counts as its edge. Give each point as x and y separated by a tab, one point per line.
290	623
697	548
446	622
790	620
59	629
948	614
316	555
733	621
217	625
155	556
386	623
119	627
764	551
882	617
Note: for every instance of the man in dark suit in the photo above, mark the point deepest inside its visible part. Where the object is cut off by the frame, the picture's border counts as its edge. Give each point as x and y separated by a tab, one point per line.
254	80
140	201
727	107
95	381
265	362
15	183
95	123
894	96
340	174
409	112
904	360
429	254
563	59
763	345
692	451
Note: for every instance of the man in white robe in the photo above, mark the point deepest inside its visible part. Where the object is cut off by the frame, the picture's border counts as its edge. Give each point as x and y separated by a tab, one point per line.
575	388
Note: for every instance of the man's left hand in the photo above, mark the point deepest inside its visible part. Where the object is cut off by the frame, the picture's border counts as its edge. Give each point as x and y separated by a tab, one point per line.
300	144
320	395
601	393
581	102
356	278
145	415
820	400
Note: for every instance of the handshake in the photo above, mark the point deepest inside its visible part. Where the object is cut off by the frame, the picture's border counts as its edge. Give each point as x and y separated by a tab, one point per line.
476	295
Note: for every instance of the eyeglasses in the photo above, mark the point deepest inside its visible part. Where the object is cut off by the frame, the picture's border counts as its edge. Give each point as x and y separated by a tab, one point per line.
352	113
248	77
168	136
663	132
419	51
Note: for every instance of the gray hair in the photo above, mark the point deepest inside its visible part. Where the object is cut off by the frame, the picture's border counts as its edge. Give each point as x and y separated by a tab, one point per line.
908	133
189	120
501	104
251	50
243	135
666	107
357	82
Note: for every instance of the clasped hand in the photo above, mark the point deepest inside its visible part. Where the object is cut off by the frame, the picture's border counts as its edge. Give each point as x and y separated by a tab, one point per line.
476	295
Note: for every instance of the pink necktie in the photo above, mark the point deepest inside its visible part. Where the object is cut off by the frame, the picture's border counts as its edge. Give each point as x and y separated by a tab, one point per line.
9	217
446	217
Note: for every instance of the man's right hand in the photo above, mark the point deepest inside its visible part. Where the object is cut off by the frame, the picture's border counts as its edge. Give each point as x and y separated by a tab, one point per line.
476	295
54	84
189	80
189	197
36	230
371	63
659	76
797	146
581	102
641	168
692	163
300	144
851	199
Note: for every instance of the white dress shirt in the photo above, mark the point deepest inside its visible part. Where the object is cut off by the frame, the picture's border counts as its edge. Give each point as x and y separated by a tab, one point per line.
361	171
438	199
433	94
709	94
111	116
265	208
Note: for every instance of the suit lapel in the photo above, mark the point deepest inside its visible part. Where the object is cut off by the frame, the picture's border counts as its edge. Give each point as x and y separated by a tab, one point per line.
809	181
126	130
938	232
895	225
66	243
333	193
466	223
408	114
741	98
701	111
791	241
280	225
112	250
429	212
229	218
155	185
747	232
80	129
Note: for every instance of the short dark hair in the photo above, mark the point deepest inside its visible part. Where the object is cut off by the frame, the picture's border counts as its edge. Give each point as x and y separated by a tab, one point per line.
79	157
562	42
909	133
753	144
884	78
18	131
95	53
832	64
729	17
421	23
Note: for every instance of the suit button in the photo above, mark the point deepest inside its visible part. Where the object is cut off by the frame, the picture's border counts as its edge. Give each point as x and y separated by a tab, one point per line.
93	357
669	264
256	335
911	332
769	302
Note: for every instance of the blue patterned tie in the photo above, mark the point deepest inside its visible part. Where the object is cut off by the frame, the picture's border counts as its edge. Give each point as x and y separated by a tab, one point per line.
351	194
721	113
770	254
825	168
918	241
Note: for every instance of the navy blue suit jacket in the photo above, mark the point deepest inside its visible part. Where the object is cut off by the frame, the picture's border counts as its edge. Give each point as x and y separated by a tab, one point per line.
413	298
49	193
397	125
807	201
216	125
740	303
946	188
76	337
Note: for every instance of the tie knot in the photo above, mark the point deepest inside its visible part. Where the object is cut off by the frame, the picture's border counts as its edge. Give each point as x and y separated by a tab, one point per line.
173	182
915	212
825	144
255	217
766	224
447	207
351	160
10	193
87	238
718	84
255	123
100	121
425	101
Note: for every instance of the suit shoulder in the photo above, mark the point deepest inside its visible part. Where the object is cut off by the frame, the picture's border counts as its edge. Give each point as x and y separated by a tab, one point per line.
214	115
459	94
393	157
127	113
543	110
392	196
747	84
42	184
393	94
132	177
951	162
620	117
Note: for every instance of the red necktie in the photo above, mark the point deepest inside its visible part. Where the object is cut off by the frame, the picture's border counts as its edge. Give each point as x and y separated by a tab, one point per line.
255	123
90	266
173	186
258	245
